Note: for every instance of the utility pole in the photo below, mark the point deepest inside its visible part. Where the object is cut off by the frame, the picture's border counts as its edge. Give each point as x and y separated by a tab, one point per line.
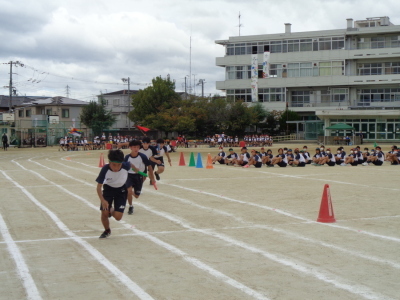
194	84
202	82
67	90
11	63
128	80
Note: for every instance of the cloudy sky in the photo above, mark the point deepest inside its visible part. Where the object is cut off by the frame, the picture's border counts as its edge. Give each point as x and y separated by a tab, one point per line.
89	45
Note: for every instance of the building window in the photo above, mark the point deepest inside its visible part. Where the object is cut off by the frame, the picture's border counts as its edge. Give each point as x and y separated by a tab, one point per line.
369	69
300	98
368	96
331	68
240	94
339	95
48	112
378	42
392	68
27	113
271	95
21	113
65	113
116	102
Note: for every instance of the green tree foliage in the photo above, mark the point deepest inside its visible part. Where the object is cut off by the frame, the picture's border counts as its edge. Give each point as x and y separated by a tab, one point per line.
152	101
288	115
96	117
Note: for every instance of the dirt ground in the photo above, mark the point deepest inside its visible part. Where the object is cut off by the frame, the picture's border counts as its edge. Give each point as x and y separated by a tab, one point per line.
221	233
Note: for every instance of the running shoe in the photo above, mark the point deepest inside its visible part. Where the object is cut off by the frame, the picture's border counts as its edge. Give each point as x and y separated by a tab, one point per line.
157	176
105	234
130	210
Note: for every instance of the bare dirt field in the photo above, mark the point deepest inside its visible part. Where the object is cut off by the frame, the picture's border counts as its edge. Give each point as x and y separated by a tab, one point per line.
221	233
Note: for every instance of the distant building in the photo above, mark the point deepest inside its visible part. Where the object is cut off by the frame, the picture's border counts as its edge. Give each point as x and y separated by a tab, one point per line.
349	75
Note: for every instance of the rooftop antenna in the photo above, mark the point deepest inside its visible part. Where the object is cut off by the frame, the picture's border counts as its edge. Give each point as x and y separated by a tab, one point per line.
240	25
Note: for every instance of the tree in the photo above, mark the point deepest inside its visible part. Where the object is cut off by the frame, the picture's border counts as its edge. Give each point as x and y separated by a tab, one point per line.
288	115
153	100
96	117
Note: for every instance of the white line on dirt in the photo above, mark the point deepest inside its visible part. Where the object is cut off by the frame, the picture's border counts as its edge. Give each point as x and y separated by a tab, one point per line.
359	290
288	214
22	269
197	263
132	286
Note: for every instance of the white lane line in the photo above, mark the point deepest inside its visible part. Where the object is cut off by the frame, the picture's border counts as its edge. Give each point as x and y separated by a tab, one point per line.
195	262
359	290
282	231
132	286
22	269
279	211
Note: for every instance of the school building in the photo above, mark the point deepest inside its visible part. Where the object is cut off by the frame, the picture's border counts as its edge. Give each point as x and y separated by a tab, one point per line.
349	75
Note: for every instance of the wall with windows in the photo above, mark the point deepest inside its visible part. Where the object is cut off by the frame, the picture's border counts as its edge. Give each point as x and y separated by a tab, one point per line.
372	129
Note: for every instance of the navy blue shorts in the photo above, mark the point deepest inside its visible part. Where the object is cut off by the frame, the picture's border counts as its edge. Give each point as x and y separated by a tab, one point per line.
116	196
136	182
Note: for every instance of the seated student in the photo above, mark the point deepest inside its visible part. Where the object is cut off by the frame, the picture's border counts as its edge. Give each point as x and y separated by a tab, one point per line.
377	158
329	159
317	157
307	155
243	158
231	157
299	158
220	157
254	160
365	155
290	156
351	159
267	158
340	156
392	156
280	159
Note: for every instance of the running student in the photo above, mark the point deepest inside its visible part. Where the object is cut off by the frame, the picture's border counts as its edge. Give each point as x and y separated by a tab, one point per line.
149	151
159	159
139	162
111	189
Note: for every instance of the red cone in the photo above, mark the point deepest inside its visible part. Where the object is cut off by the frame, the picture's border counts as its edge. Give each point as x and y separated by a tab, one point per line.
326	214
101	162
182	160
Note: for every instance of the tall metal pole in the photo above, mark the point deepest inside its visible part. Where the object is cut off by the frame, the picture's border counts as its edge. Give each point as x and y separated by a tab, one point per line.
10	87
129	103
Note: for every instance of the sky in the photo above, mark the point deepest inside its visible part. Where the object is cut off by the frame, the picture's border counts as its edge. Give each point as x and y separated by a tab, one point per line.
83	48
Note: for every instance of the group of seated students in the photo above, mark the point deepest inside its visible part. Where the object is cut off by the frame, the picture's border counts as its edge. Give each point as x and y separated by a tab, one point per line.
301	157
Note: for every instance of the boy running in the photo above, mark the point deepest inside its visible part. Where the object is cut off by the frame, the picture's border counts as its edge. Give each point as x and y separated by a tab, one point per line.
139	162
112	179
159	159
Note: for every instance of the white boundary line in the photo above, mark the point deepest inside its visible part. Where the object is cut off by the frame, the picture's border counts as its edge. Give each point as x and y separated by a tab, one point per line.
311	271
197	263
363	291
22	269
132	286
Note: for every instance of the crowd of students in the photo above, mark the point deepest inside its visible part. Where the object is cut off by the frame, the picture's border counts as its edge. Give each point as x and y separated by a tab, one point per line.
254	140
302	157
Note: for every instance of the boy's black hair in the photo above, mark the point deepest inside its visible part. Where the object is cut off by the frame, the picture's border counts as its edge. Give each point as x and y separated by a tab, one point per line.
135	143
146	140
116	155
160	141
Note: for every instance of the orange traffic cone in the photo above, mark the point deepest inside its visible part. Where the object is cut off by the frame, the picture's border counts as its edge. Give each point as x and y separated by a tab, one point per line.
209	162
326	214
101	162
182	160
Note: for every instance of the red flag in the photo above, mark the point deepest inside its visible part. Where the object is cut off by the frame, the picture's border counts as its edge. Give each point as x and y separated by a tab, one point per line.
142	128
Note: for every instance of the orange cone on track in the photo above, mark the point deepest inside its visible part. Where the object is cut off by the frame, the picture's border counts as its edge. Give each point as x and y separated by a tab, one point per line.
209	162
182	160
326	214
101	162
